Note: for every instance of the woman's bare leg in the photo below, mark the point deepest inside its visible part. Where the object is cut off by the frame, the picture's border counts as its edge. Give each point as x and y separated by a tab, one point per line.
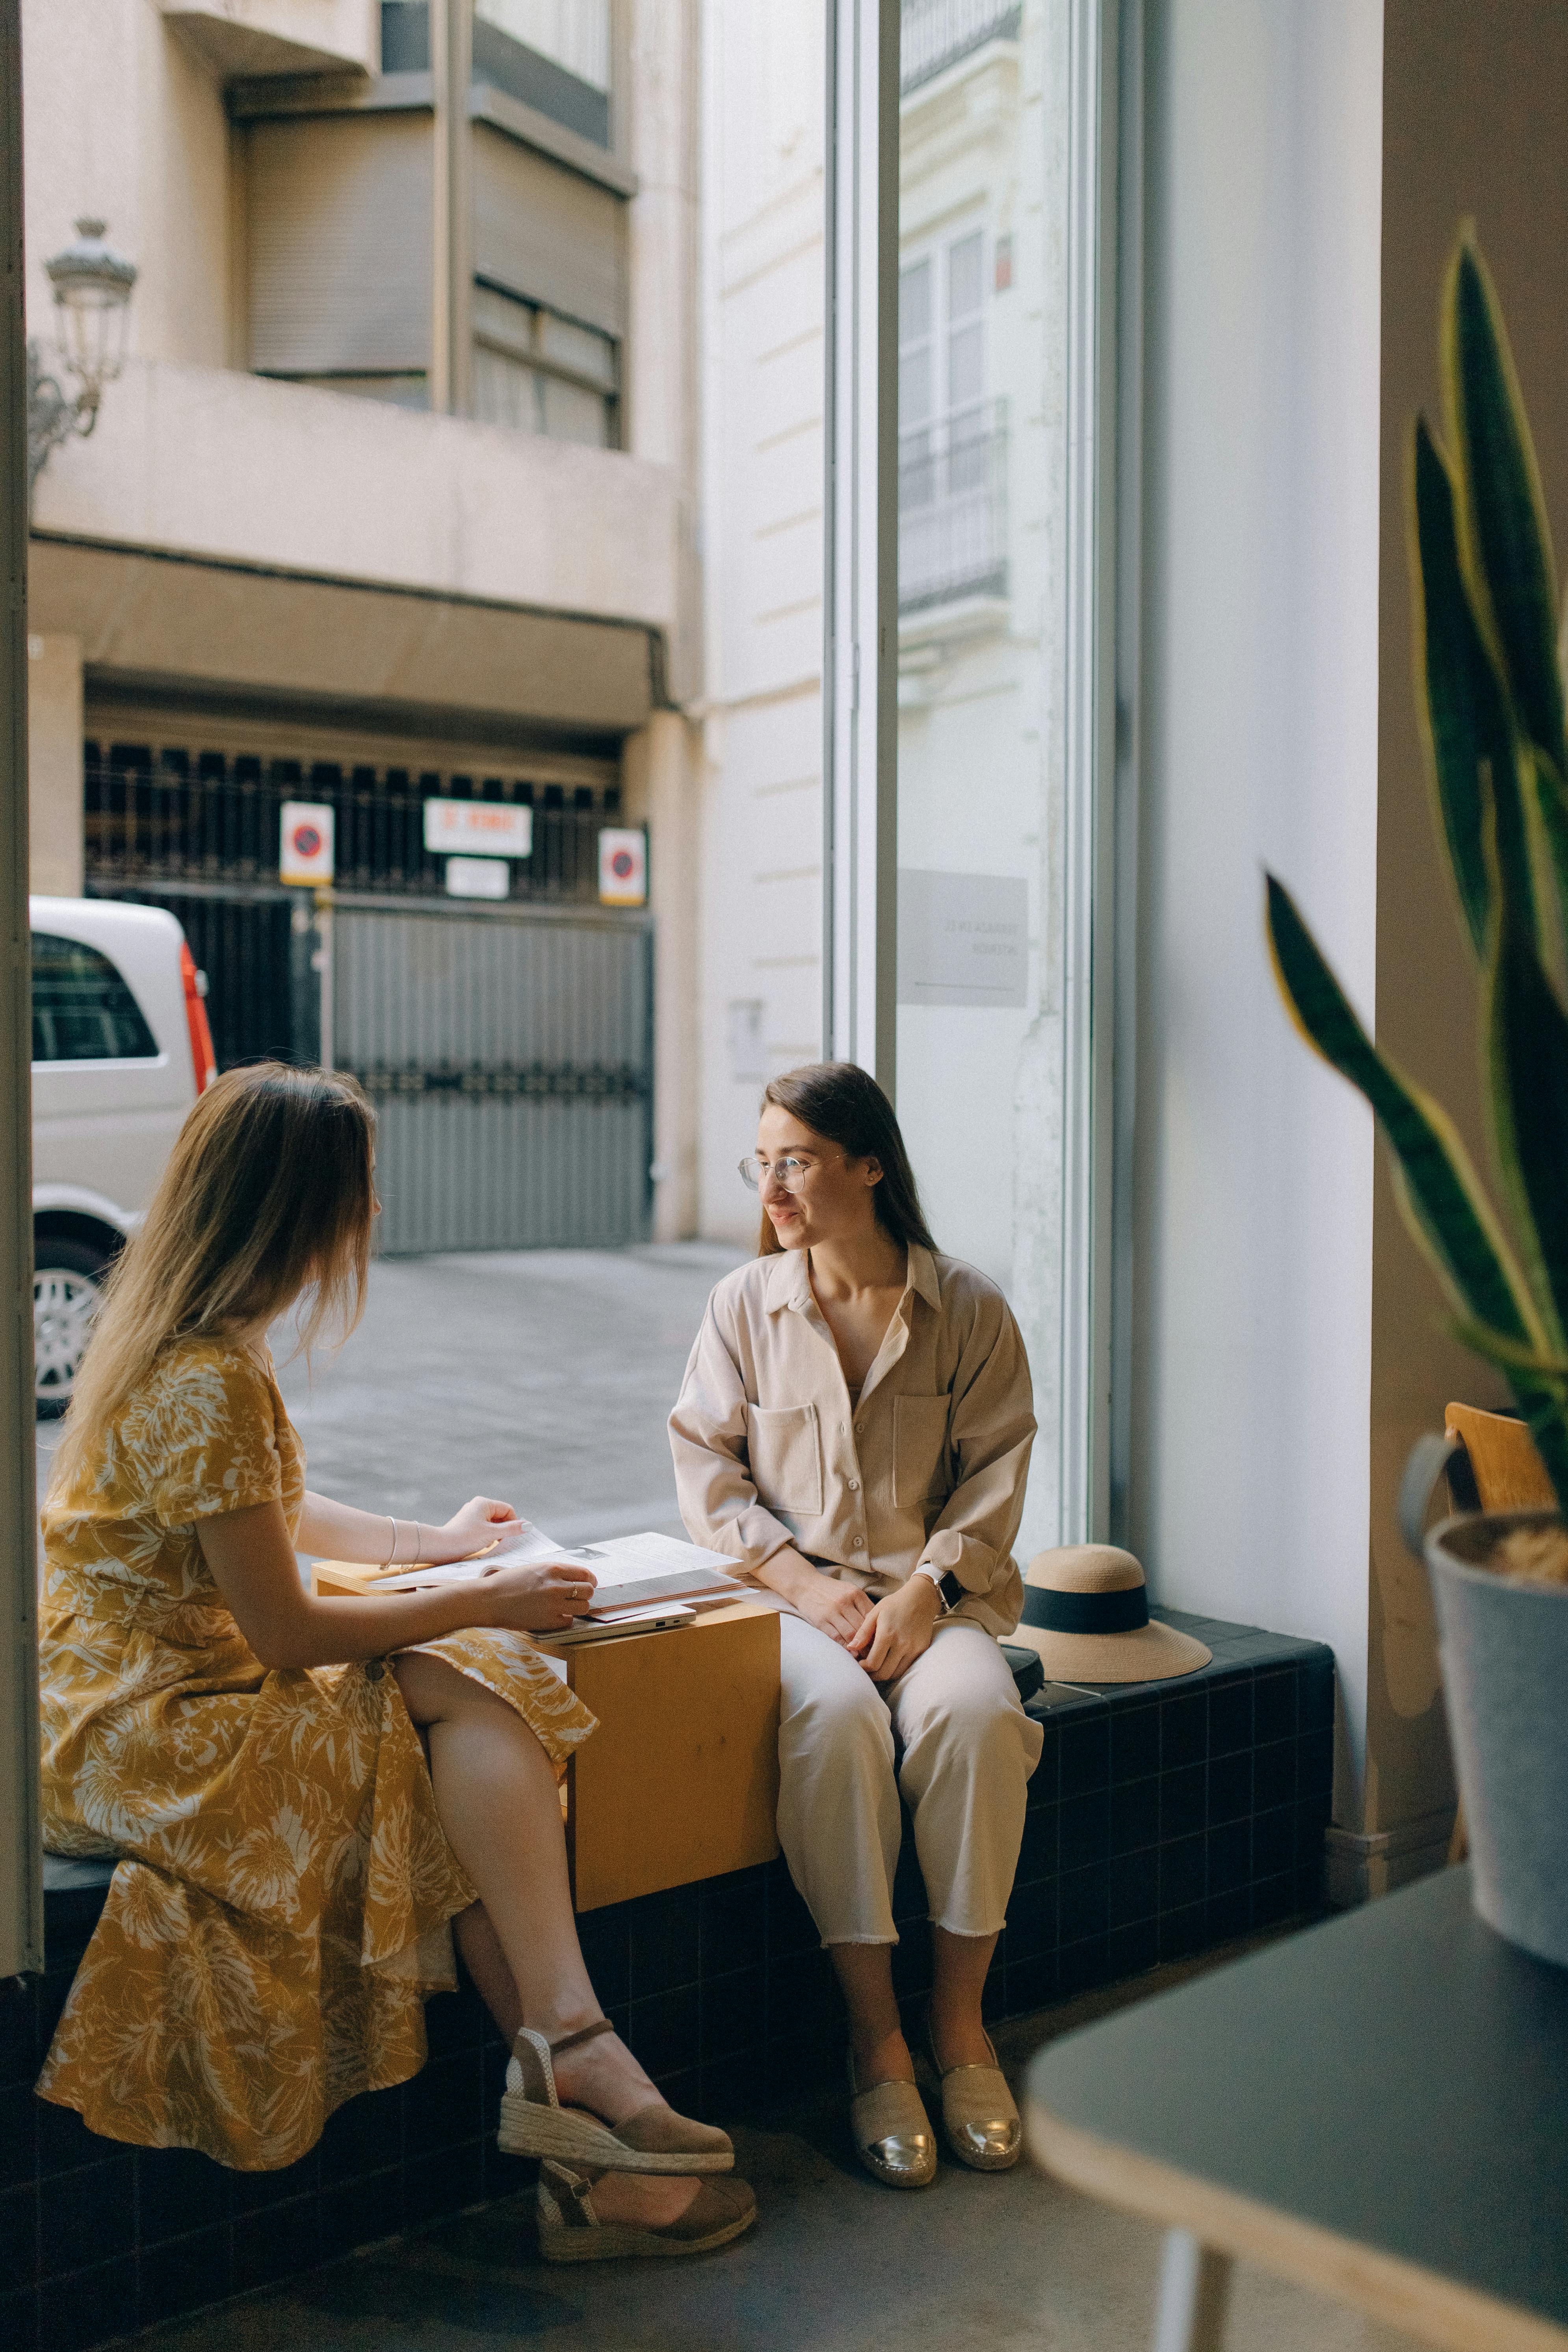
865	1973
485	1963
959	1964
496	1794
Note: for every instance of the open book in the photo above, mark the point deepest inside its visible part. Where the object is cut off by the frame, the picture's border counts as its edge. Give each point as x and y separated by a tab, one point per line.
635	1573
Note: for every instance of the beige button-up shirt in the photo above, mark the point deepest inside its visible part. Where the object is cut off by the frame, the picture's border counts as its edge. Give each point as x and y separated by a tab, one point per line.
928	1467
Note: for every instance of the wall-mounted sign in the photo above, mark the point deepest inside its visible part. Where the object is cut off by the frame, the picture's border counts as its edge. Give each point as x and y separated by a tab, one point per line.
477	878
479	828
623	866
305	849
963	938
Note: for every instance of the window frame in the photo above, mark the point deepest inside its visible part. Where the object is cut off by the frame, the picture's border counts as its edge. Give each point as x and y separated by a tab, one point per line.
860	652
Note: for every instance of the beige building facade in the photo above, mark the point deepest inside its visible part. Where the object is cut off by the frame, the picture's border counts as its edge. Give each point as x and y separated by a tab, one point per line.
394	496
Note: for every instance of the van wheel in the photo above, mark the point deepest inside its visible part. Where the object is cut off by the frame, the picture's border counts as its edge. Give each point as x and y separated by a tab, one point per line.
66	1276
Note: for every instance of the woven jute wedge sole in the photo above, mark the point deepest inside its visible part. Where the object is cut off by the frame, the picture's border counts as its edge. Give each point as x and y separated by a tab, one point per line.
653	2139
570	2231
572	2136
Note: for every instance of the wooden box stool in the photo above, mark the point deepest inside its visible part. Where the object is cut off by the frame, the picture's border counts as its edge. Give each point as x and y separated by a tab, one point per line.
681	1781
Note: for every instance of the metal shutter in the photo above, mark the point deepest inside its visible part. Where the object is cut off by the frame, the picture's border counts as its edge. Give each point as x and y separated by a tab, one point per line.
547	233
340	225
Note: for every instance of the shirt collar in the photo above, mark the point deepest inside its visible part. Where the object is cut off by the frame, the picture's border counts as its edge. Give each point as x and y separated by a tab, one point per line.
922	1274
788	1279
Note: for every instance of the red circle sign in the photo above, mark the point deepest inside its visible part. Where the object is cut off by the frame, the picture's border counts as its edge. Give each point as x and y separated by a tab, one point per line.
306	841
621	865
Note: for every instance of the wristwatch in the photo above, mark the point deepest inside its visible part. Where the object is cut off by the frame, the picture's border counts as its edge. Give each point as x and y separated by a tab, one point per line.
948	1587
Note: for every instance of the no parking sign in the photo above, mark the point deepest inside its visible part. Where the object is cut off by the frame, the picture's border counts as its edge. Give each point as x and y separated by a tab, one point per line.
305	853
623	866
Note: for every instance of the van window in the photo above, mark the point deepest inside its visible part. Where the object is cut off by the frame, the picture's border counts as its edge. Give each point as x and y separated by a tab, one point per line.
83	1011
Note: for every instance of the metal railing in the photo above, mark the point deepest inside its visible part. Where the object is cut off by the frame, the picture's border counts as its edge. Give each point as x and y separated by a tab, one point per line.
934	34
156	814
952	508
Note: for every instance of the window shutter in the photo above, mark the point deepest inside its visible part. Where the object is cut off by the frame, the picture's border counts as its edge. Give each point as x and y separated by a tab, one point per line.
340	244
548	234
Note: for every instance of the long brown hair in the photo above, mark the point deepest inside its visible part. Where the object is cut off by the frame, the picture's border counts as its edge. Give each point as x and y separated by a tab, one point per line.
267	1195
844	1104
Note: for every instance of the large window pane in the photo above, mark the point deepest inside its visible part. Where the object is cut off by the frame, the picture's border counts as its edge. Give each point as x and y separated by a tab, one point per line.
980	604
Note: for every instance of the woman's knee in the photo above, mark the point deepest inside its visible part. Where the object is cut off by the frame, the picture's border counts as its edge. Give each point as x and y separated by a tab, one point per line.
977	1722
841	1715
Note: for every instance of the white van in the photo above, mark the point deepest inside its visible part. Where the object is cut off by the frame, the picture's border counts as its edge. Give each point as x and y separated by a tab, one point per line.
120	1050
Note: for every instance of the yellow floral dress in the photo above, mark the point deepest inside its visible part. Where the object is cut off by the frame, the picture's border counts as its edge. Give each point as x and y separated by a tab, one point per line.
284	1896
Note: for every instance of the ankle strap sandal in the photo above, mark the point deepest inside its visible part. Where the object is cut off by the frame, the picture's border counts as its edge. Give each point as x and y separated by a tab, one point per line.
653	2139
570	2231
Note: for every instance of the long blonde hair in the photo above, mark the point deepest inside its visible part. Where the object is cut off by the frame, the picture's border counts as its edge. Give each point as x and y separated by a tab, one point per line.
267	1195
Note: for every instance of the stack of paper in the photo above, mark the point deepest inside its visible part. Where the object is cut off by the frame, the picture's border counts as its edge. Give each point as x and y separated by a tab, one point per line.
640	1573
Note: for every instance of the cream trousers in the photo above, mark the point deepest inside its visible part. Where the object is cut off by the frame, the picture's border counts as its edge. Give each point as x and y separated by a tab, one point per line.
968	1752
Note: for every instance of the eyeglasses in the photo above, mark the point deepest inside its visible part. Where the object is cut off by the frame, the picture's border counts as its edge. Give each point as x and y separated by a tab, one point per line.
788	1171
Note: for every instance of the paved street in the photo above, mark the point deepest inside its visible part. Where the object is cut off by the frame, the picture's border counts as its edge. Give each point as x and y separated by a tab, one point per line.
543	1377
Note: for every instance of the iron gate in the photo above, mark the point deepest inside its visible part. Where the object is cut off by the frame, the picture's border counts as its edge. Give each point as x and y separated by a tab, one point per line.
510	1058
508	1048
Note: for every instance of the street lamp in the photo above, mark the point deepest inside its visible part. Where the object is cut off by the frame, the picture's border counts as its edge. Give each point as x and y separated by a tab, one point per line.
92	295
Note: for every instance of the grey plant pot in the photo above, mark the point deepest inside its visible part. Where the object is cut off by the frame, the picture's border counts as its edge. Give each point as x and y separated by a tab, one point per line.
1505	1681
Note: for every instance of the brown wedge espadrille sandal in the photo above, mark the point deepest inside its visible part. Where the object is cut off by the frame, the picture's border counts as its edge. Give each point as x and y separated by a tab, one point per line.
655	2139
571	2231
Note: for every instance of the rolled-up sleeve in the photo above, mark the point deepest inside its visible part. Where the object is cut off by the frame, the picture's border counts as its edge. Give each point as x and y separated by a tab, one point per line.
991	1431
713	1485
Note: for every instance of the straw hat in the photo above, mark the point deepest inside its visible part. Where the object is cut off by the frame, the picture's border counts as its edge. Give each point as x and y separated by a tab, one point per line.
1086	1611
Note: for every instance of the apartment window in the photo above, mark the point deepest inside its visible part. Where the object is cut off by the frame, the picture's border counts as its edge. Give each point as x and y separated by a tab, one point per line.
952	518
341	213
550	55
540	373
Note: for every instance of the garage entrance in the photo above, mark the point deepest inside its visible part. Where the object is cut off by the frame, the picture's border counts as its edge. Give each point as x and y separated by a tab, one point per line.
507	1047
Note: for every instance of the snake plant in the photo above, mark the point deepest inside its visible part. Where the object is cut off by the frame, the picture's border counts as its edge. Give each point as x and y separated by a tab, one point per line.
1489	698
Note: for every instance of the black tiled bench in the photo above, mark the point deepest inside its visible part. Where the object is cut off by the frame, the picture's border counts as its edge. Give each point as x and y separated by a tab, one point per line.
1165	1817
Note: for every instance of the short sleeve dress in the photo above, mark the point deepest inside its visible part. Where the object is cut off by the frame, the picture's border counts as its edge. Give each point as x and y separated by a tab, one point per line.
283	1901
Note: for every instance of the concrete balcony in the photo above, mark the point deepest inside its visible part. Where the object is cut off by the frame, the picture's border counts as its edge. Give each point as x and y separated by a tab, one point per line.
224	532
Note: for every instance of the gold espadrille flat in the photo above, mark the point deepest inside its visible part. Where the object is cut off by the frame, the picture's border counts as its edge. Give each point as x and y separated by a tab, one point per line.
978	2114
571	2231
892	2133
655	2139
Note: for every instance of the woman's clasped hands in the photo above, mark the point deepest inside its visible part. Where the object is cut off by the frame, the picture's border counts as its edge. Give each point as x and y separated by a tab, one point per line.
885	1635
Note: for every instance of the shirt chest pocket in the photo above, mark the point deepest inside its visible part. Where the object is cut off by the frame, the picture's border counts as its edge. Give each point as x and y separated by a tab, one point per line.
919	1448
786	1452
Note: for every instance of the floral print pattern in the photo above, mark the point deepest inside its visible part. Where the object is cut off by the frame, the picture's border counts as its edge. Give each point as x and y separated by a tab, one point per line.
284	1893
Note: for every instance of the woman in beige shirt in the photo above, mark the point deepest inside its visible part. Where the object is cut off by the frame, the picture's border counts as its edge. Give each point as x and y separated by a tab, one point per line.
854	1429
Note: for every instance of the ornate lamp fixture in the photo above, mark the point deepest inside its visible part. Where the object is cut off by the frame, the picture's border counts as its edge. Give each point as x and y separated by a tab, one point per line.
92	296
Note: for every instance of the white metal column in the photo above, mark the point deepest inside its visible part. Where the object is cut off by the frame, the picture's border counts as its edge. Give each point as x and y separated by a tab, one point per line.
21	1888
860	696
1089	881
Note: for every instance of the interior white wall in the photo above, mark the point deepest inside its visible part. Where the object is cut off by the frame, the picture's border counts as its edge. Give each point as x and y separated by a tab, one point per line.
1248	1489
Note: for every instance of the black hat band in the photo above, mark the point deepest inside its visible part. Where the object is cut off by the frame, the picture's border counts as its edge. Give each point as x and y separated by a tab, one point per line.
1086	1612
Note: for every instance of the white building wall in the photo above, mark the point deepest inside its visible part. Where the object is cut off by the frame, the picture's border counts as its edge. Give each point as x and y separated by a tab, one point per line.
762	548
1255	1164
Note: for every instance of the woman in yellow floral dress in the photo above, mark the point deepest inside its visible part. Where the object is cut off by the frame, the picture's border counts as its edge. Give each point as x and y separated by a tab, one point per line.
306	1795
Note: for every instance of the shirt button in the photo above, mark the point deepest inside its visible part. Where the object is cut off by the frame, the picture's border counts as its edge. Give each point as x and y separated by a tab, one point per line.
858	1544
854	1485
859	1429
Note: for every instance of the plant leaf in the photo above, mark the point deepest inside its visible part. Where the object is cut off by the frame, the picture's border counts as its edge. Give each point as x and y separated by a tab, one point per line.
1459	700
1526	1036
1446	1207
1503	530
